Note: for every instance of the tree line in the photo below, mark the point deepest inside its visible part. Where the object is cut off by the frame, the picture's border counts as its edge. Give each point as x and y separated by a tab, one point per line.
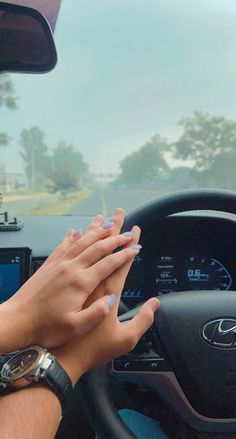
205	149
61	169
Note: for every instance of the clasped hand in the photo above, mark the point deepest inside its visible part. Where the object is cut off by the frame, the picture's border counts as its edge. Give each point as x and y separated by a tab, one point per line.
70	304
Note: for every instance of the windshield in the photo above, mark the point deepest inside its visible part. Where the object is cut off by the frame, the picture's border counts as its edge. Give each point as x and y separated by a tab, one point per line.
142	102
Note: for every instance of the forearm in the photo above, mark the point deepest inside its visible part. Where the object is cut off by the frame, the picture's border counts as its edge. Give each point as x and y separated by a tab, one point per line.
32	413
15	328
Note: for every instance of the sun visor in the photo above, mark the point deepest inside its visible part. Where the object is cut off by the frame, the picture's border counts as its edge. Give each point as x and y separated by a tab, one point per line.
49	9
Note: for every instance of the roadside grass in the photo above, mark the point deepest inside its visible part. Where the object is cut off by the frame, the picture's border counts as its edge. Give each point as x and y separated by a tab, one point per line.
24	196
60	207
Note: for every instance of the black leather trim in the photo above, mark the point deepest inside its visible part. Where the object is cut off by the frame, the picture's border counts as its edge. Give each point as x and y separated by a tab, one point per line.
184	201
57	378
99	408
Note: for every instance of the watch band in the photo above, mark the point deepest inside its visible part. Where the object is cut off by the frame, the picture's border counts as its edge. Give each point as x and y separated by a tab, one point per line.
48	371
59	381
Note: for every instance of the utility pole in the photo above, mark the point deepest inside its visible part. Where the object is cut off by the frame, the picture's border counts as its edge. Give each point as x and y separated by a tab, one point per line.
33	168
2	177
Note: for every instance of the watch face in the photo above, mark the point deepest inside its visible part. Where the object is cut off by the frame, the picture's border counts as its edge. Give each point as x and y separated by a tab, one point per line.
20	364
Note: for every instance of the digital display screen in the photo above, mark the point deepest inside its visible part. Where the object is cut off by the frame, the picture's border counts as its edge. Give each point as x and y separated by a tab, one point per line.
183	254
14	271
178	273
191	273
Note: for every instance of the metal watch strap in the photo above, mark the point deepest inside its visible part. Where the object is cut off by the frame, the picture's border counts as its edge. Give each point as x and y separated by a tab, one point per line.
57	378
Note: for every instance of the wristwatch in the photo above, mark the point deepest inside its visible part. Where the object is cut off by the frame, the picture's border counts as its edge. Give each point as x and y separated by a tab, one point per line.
32	365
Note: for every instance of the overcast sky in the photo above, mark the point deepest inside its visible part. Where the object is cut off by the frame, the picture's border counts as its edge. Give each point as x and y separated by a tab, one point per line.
127	69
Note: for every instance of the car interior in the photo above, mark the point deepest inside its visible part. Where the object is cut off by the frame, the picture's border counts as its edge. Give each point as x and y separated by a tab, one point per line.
121	104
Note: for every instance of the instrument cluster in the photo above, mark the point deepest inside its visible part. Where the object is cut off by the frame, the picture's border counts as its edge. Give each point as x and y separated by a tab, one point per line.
183	254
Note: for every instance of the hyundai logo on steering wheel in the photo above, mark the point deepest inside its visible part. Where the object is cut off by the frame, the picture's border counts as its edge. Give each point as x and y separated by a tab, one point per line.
220	333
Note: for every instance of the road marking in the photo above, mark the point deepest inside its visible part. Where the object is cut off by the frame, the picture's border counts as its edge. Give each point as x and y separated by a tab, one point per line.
103	202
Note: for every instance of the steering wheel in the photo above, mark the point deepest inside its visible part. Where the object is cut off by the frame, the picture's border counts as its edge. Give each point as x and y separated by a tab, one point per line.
193	361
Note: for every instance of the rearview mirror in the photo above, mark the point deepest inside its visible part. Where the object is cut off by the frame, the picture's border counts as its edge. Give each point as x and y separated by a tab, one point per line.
26	40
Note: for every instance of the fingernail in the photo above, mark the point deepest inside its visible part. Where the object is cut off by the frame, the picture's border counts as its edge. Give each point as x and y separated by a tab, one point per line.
111	300
119	211
70	232
136	229
77	233
108	226
136	247
128	234
98	218
154	303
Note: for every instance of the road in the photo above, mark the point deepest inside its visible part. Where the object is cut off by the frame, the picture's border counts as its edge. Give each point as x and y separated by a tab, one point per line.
102	201
105	201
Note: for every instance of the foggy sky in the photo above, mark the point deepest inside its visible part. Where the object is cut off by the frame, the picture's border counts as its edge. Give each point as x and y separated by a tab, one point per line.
127	69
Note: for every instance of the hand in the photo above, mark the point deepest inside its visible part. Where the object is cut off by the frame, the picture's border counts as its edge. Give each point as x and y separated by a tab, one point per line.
107	285
47	310
111	338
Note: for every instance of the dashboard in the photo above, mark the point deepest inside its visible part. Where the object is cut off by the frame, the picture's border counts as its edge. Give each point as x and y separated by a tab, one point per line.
183	253
179	253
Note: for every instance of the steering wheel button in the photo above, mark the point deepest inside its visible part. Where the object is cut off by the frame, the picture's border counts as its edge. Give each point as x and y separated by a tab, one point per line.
142	365
154	365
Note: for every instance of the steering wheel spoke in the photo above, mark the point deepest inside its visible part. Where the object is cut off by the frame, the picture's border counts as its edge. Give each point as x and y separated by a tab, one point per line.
181	333
147	356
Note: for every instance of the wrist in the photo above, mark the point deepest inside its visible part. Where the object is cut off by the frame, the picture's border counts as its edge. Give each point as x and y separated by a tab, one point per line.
70	362
15	333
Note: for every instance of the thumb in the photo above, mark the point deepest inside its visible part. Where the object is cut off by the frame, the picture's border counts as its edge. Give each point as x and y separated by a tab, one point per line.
90	317
135	328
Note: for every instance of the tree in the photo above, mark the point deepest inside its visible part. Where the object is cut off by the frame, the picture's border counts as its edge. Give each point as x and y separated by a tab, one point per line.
179	178
7	100
7	97
34	154
146	166
204	139
4	139
222	172
68	168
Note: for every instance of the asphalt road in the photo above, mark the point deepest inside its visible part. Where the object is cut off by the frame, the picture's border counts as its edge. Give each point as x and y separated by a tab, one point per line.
103	201
107	200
